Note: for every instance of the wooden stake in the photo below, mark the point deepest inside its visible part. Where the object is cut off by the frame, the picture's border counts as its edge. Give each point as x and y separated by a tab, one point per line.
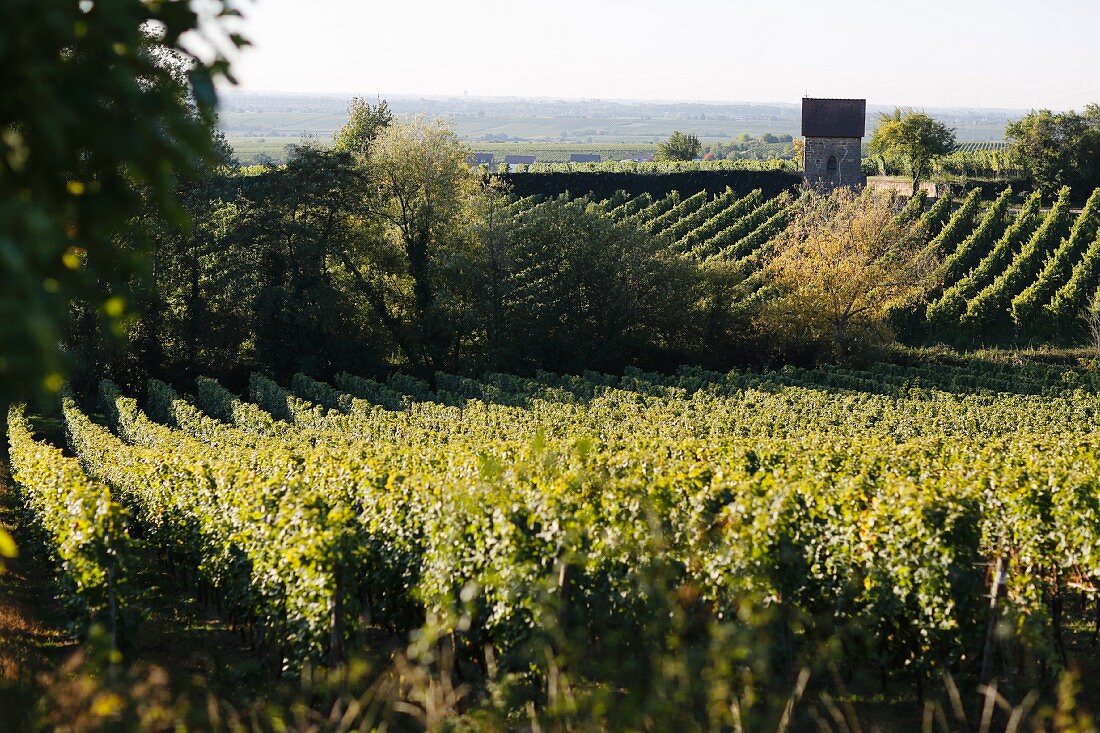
1000	579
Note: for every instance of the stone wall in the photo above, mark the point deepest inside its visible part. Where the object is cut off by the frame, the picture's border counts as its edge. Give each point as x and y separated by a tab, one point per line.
815	161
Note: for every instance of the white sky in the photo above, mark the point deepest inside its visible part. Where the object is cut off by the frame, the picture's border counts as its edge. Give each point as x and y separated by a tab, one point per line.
935	53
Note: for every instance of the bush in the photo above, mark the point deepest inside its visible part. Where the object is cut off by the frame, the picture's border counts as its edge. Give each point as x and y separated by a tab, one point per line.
579	290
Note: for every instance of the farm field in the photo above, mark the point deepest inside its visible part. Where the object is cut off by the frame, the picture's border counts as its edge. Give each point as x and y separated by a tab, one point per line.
800	521
554	120
273	144
685	544
796	519
570	129
265	124
248	149
252	149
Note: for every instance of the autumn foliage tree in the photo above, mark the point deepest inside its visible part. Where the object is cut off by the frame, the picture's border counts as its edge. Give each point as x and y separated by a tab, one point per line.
842	261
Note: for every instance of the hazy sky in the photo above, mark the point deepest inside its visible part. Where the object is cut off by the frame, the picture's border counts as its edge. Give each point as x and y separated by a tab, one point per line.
935	53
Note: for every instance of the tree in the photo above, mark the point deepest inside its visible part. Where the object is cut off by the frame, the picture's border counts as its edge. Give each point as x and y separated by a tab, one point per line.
299	315
579	290
364	124
912	139
679	146
841	262
422	197
93	132
1060	149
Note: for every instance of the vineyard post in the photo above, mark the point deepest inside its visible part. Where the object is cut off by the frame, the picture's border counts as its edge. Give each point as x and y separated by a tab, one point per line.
1000	579
112	605
336	642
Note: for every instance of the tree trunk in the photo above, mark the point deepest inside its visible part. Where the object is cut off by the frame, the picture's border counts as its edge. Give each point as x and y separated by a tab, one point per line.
378	305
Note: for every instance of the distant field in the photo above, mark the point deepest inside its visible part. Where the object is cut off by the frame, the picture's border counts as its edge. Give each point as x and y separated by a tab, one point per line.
265	123
560	152
268	132
549	139
249	149
552	129
517	128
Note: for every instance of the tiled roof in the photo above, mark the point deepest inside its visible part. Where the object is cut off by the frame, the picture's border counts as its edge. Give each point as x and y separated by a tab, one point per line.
834	117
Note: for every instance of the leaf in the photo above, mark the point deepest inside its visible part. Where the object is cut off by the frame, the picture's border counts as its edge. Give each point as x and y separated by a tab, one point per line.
7	545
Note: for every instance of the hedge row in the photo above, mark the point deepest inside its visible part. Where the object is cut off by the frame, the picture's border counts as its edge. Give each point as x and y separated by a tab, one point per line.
605	184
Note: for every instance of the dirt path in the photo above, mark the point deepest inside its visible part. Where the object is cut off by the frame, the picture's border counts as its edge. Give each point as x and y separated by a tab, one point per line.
33	636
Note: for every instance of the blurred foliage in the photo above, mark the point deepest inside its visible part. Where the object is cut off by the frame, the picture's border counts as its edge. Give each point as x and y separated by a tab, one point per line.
690	686
7	548
94	131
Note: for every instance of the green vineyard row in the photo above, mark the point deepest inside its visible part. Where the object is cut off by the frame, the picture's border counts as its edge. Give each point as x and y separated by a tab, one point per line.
860	502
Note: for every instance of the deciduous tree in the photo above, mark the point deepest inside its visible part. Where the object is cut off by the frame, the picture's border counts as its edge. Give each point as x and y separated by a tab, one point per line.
365	123
679	146
1059	149
425	197
912	139
841	262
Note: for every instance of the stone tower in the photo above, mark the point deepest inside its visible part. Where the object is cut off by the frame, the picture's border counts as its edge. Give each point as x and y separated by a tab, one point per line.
833	129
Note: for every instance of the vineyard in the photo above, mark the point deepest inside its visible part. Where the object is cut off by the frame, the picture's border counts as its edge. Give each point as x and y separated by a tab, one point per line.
487	396
857	516
693	543
1009	271
672	166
